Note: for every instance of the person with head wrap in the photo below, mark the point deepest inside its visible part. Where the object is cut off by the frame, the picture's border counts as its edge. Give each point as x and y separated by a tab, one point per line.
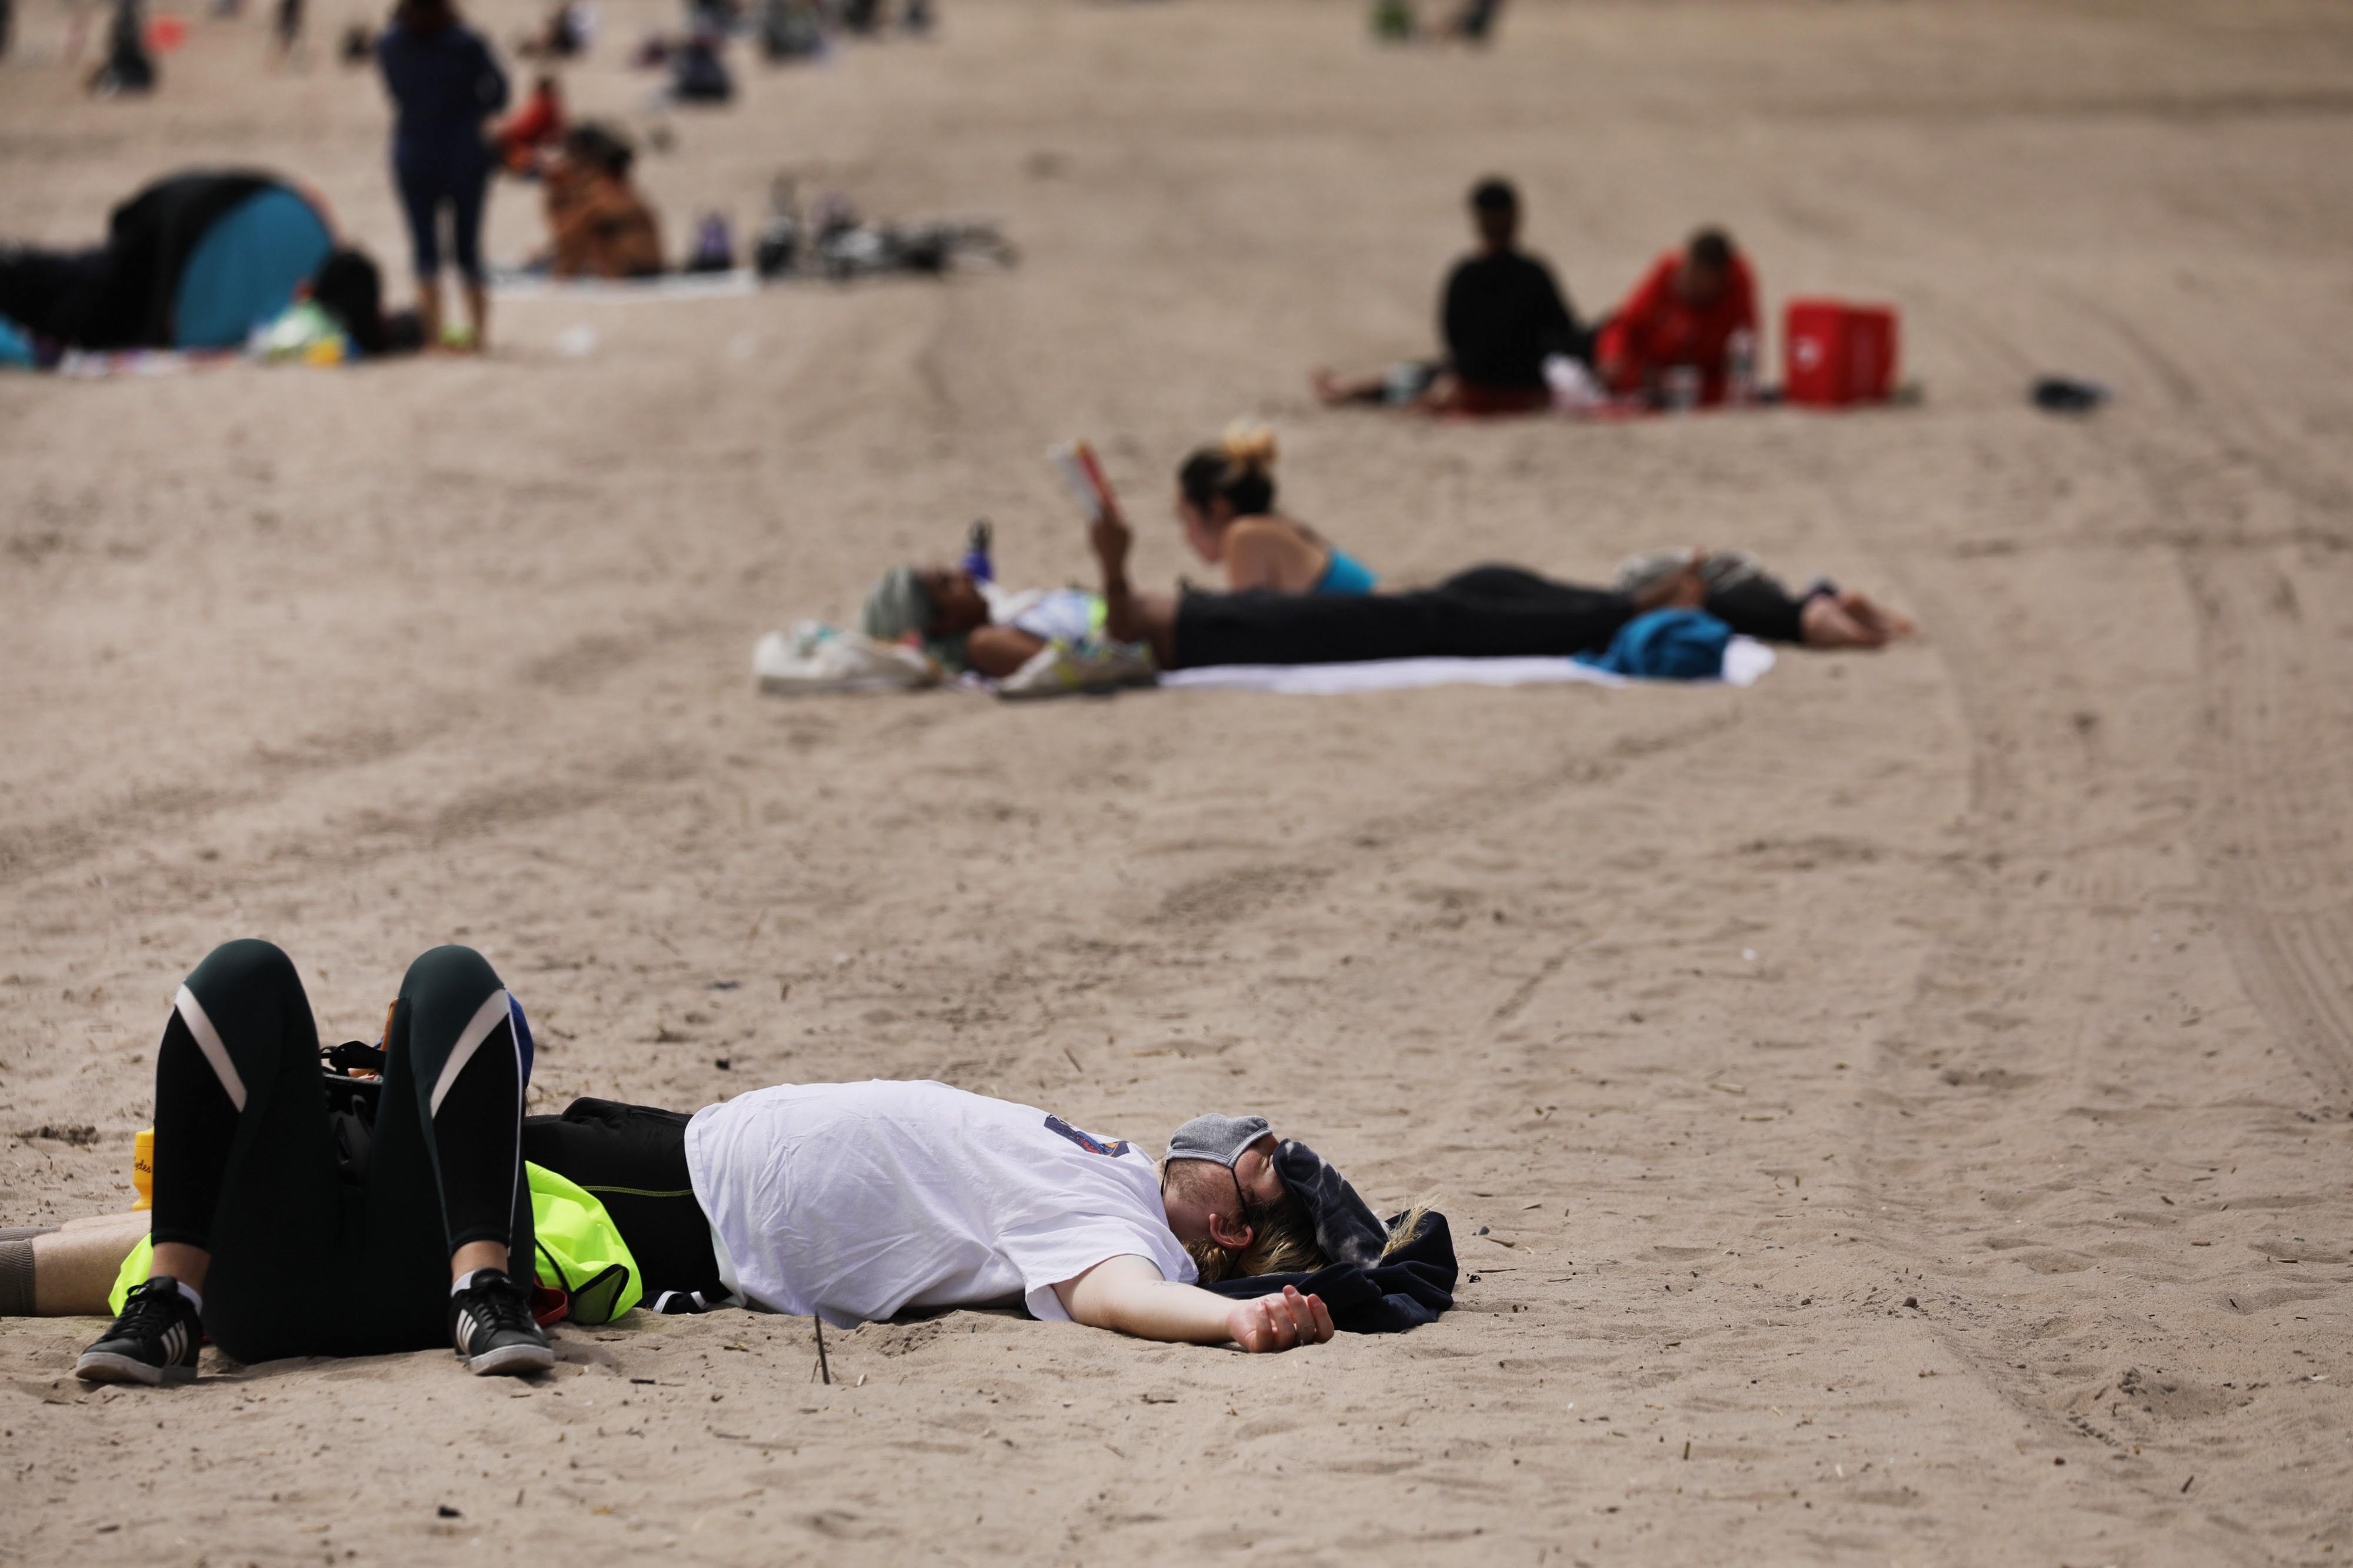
970	625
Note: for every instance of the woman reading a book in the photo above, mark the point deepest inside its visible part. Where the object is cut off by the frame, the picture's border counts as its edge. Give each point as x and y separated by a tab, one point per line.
1225	501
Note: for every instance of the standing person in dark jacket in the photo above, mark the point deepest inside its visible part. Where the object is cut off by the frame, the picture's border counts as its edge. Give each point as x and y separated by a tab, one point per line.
1503	314
443	85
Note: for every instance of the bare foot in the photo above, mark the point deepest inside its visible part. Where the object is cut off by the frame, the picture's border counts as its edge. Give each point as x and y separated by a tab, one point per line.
1886	622
1825	622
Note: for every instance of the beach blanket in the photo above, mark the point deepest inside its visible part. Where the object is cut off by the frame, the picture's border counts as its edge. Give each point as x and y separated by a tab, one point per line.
814	657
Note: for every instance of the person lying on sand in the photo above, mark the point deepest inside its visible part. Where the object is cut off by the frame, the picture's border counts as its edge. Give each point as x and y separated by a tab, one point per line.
1225	503
859	1200
264	1242
1225	499
968	626
851	1200
1503	315
1683	315
1489	612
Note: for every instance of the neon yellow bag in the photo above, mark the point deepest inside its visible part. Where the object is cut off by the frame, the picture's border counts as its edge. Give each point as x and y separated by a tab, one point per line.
580	1252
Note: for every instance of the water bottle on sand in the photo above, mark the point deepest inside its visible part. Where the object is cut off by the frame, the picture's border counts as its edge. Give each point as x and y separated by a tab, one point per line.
976	553
1682	388
1740	369
143	1168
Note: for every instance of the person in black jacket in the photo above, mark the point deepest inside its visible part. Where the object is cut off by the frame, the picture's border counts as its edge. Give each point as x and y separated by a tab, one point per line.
1503	315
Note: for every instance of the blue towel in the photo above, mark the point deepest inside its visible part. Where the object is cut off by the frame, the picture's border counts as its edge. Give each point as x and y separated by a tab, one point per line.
1666	645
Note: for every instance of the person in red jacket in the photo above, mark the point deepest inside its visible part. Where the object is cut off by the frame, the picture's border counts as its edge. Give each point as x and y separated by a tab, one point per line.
529	140
1685	313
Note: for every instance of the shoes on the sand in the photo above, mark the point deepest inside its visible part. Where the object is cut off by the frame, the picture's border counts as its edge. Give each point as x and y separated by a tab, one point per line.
1091	663
490	1324
156	1340
1720	570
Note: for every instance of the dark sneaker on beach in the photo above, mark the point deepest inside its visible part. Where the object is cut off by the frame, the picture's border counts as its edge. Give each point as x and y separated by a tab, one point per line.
491	1326
155	1341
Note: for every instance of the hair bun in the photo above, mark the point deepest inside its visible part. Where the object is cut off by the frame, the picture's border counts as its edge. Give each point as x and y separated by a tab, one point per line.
1249	447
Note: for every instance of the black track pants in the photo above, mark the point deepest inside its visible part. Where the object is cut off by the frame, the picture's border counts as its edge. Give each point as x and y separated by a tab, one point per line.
1489	612
633	1158
304	1261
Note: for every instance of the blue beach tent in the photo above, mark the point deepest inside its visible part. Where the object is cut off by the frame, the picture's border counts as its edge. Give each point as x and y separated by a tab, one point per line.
245	268
198	260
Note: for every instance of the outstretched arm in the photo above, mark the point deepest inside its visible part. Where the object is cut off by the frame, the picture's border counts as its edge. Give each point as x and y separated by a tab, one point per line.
1131	616
1128	1294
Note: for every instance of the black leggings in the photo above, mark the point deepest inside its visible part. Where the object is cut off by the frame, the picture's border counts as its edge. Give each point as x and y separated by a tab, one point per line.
304	1260
633	1158
1489	612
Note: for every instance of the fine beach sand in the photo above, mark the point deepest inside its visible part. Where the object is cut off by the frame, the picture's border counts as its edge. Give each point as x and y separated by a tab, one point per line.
1898	1113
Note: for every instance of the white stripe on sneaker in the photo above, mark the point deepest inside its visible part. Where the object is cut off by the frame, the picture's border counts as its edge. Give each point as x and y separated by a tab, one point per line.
208	1040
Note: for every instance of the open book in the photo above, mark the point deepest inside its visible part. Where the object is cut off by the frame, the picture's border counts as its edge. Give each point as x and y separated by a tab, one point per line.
1075	461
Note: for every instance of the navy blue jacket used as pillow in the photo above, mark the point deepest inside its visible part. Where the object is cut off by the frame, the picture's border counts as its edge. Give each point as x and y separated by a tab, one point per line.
1366	1293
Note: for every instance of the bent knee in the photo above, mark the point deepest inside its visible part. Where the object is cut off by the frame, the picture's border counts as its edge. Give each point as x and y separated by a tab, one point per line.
242	964
453	968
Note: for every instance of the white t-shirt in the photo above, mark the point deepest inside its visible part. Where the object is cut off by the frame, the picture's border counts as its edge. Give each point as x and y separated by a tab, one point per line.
855	1200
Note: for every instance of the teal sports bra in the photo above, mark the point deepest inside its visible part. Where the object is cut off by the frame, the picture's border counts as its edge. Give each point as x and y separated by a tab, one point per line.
1345	575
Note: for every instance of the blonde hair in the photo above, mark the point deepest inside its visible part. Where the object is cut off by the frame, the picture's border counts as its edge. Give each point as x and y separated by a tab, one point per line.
1408	1227
1283	1241
1238	470
1250	448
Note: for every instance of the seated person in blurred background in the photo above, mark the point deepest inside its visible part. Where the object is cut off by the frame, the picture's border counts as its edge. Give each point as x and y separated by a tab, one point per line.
533	135
564	34
1686	312
599	224
1504	315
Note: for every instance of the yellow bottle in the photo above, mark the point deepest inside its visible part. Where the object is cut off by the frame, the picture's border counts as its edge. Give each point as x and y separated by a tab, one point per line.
143	1168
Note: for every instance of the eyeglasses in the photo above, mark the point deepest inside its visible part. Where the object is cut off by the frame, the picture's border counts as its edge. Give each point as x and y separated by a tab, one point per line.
1241	1199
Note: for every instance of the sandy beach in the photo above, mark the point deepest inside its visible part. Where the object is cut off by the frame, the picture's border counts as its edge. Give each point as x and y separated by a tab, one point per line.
1897	1113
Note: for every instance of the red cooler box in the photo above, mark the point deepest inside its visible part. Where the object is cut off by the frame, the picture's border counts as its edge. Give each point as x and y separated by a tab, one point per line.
1836	353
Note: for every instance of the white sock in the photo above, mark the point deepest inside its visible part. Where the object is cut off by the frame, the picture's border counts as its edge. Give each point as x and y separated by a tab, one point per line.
194	1298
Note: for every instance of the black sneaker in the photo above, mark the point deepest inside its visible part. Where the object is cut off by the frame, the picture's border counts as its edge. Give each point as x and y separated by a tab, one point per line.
155	1341
491	1326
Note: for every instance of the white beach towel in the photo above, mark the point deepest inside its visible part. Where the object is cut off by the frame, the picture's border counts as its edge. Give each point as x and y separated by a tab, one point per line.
1745	660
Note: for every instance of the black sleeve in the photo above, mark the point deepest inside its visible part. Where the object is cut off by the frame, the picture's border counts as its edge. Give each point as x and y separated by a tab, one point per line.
1561	333
489	82
1453	313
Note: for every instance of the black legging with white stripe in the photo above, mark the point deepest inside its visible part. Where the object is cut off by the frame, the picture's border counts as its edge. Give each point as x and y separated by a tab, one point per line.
304	1260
